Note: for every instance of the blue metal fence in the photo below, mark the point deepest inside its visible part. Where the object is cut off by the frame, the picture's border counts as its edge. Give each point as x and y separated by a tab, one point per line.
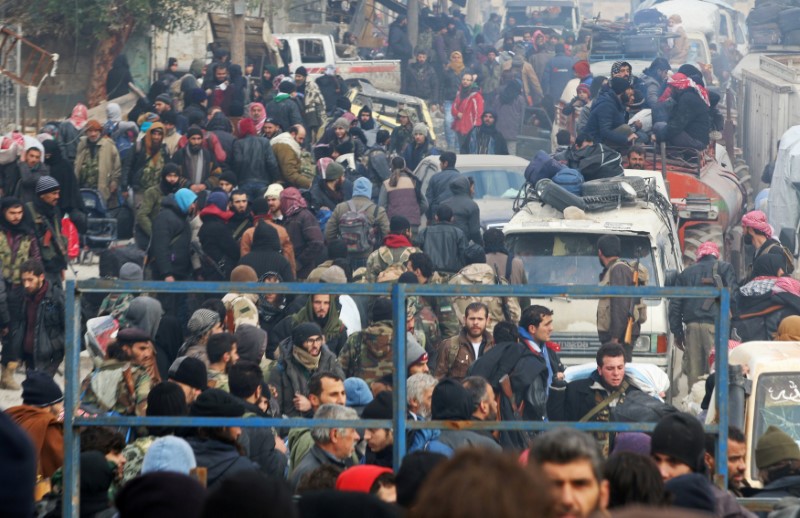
398	294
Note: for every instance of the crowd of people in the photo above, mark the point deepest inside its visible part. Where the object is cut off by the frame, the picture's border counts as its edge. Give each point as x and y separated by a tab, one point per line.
272	179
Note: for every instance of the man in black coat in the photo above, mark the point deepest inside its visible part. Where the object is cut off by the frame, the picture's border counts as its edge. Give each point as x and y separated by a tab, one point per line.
697	341
689	122
485	139
444	242
399	46
466	213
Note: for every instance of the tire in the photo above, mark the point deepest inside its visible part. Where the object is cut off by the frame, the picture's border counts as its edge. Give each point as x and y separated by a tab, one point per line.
789	21
696	235
742	171
609	186
600	203
557	197
767	13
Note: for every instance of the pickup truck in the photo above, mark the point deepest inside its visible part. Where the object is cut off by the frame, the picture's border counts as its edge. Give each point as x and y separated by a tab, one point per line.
317	51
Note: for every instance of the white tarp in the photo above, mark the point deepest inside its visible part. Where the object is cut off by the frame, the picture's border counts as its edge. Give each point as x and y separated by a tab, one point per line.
784	208
695	16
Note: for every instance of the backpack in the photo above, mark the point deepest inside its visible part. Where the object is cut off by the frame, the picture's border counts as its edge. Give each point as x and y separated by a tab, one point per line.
569	179
596	161
356	231
124	141
542	166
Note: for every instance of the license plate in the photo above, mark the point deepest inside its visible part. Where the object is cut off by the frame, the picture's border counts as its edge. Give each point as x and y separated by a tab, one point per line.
574	345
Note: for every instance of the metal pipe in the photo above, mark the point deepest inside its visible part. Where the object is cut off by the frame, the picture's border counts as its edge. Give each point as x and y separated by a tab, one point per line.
400	372
72	450
721	335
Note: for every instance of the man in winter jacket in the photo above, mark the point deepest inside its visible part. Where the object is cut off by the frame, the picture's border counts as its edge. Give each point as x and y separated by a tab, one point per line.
399	47
265	253
170	246
142	167
46	217
97	162
254	161
320	309
284	109
361	202
439	185
457	353
287	147
697	340
444	242
557	73
331	187
467	107
466	213
302	355
423	81
216	238
777	457
402	135
368	353
652	84
613	312
314	111
395	250
39	334
485	139
607	119
146	214
304	231
420	147
261	212
688	124
197	164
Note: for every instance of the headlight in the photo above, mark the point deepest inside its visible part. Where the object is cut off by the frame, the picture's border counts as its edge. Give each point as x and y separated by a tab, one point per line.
642	343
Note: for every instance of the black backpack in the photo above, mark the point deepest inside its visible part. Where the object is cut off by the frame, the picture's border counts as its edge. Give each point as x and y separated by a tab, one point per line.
595	162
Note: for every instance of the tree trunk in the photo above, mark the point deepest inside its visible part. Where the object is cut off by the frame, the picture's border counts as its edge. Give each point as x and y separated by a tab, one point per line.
105	52
238	9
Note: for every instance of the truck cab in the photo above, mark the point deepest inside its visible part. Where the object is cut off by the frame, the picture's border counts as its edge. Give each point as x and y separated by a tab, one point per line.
557	15
560	251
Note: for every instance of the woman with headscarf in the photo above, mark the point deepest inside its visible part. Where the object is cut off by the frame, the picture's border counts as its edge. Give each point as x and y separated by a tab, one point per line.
766	300
71	130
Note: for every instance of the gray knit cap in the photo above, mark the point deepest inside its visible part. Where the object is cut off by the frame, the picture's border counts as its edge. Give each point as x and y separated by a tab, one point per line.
341	122
202	321
46	184
131	272
420	128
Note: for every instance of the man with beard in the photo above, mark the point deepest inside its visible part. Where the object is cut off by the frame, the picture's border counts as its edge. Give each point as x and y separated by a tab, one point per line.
302	355
271	128
457	353
485	139
17	245
467	107
29	169
313	103
419	148
216	239
284	108
570	460
288	152
483	400
70	202
97	163
379	440
367	125
737	467
170	182
607	119
254	161
636	158
46	217
39	333
303	229
242	218
402	134
322	310
423	79
329	190
222	355
197	164
142	169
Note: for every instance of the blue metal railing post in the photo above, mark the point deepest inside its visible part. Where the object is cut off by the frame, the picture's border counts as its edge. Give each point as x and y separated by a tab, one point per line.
400	372
71	497
722	332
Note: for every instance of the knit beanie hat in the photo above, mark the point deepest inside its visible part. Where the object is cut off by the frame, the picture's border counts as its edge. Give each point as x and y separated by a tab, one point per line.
415	353
381	309
155	495
334	171
274	191
19	469
266	237
216	403
341	122
46	184
334	275
360	478
189	371
164	98
286	87
194	130
358	392
167	399
304	331
184	198
169	453
93	125
692	491
301	71
420	128
680	436
380	407
633	442
219	199
230	177
774	446
619	85
450	400
202	321
39	389
244	273
260	207
251	342
131	272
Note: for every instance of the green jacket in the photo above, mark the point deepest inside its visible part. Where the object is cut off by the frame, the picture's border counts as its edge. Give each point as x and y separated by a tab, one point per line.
151	205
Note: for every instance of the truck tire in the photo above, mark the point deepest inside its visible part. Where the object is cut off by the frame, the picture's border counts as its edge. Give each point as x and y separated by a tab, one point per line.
608	186
767	13
789	21
742	171
601	203
557	197
696	235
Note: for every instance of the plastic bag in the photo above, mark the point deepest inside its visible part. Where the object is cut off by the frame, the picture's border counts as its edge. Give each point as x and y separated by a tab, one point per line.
70	231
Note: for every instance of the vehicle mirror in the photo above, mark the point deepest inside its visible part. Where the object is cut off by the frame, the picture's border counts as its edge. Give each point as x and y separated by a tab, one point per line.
670	277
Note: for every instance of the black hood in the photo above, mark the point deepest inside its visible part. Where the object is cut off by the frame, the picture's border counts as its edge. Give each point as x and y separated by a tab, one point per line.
265	237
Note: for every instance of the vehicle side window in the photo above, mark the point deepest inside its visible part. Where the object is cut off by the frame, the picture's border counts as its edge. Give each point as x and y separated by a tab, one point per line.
311	50
723	26
285	52
737	30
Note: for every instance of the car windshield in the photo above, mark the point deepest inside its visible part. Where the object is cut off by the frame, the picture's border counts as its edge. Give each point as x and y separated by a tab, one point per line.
778	404
495	183
571	258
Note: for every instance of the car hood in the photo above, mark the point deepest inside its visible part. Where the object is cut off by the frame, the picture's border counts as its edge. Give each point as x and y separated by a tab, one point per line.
495	211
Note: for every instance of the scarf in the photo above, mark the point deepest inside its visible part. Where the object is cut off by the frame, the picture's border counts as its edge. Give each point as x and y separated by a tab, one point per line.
456	62
789	329
305	359
331	326
80	116
292	201
679	82
259	122
535	348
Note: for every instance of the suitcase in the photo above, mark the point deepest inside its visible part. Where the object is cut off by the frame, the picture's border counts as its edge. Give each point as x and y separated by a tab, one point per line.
649	17
557	197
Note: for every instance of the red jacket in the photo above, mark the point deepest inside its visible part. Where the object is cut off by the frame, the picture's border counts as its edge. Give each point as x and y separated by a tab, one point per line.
471	108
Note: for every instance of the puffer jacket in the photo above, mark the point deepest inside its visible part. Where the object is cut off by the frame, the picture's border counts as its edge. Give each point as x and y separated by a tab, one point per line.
469	104
170	248
500	308
466	213
290	377
253	159
692	310
49	330
423	82
445	244
403	199
285	110
608	113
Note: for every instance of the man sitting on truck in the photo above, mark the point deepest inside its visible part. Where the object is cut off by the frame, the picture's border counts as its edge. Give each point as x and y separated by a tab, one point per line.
607	118
688	123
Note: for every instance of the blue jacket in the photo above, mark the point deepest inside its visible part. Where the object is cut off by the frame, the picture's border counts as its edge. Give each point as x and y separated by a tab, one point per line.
557	73
607	114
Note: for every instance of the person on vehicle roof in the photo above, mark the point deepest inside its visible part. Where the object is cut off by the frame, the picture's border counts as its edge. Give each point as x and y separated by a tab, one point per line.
608	116
688	123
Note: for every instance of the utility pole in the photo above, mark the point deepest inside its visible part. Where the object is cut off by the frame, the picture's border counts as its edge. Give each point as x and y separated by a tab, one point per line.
413	22
238	9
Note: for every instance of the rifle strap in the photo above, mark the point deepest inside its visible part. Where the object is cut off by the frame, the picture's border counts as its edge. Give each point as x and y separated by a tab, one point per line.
604	403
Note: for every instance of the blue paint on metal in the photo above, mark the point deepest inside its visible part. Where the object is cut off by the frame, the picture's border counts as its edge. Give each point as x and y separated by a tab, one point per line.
398	293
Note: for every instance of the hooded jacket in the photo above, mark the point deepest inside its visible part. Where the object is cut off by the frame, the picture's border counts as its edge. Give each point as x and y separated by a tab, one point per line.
170	246
285	110
108	162
290	377
265	253
306	236
17	244
332	326
466	213
287	153
46	433
287	249
143	158
151	203
217	242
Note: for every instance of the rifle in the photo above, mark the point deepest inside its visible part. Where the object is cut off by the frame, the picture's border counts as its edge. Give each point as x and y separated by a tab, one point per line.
629	329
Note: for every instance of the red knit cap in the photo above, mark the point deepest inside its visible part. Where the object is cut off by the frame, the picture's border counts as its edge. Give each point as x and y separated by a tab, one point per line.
359	478
582	68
